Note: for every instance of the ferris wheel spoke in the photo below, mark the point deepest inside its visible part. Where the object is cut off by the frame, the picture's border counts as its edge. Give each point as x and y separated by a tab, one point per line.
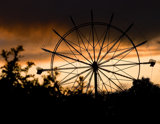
71	51
77	45
69	68
71	45
67	72
74	76
111	88
116	49
87	75
68	63
124	33
89	82
106	32
102	81
126	68
65	53
79	34
113	57
127	64
124	60
73	22
99	39
123	56
86	47
118	80
82	80
116	73
119	50
108	44
124	72
132	65
111	80
67	76
130	49
89	38
73	86
92	29
72	83
65	56
69	83
100	89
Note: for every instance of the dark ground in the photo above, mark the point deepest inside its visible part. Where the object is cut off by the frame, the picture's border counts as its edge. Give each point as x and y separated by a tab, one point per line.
140	102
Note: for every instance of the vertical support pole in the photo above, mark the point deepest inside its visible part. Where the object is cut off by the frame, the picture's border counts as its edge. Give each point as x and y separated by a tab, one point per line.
95	70
95	83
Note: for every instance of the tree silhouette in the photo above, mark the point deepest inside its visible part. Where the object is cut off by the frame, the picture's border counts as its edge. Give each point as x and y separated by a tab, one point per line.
11	76
16	82
15	79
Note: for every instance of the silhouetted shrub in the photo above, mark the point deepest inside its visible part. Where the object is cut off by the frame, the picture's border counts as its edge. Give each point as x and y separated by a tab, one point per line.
25	92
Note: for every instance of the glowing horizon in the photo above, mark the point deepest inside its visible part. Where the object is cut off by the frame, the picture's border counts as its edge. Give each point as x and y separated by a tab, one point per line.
110	48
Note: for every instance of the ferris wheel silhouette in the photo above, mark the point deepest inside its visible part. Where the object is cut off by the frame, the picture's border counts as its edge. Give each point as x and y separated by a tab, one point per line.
102	54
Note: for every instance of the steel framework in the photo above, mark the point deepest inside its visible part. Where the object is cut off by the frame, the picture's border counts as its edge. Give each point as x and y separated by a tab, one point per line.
100	52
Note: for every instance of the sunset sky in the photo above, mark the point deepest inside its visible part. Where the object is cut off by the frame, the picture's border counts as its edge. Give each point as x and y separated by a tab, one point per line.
29	23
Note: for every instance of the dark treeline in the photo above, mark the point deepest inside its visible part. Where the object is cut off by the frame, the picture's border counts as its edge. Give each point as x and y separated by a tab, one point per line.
22	92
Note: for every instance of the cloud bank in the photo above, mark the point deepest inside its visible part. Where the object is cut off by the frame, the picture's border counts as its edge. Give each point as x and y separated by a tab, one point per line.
29	23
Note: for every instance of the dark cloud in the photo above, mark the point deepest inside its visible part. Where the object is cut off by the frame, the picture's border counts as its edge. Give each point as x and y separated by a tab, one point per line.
144	13
29	22
44	10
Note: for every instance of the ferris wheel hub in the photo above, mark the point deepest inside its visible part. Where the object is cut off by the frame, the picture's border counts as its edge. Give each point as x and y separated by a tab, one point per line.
95	66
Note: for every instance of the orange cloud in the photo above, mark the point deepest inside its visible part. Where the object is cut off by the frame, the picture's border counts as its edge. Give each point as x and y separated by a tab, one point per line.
32	37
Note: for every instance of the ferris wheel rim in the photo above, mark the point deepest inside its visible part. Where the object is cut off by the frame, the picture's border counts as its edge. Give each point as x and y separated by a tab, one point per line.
87	24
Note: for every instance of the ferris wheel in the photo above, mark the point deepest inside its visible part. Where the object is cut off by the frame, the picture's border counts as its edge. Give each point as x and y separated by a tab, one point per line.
99	54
